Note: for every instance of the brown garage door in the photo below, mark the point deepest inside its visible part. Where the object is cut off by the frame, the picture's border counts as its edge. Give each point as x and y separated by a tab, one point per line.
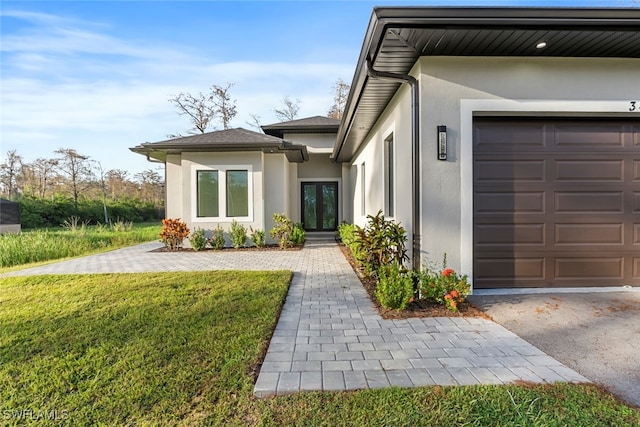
556	202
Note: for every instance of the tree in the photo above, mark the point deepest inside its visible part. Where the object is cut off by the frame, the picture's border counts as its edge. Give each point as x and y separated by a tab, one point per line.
9	173
255	122
198	108
223	107
289	109
44	171
203	109
151	185
340	93
77	169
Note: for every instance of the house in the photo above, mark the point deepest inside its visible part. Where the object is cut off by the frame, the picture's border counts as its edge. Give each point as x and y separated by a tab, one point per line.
9	217
506	138
237	174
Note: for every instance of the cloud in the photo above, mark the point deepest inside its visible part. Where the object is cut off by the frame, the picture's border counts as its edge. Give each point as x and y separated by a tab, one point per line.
69	82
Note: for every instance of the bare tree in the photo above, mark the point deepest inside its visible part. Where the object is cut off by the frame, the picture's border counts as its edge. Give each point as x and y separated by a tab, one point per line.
77	169
9	173
203	110
340	93
289	109
224	106
255	122
199	109
43	172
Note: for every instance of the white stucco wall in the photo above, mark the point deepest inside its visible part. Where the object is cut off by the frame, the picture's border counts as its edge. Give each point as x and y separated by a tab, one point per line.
173	187
314	142
453	90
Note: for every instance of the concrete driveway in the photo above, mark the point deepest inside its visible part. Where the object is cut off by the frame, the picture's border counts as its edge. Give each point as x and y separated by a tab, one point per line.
596	334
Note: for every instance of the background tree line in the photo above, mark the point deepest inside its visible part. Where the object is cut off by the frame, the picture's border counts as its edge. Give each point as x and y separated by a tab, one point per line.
51	190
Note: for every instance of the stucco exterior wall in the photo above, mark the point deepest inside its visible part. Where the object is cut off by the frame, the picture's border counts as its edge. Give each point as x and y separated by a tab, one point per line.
395	120
276	188
319	166
453	90
314	142
173	187
192	161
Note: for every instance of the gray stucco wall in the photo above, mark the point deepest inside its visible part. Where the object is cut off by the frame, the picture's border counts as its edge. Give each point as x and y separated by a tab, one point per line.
453	90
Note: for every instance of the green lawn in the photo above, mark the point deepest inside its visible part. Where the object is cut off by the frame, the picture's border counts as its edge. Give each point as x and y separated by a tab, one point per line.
38	246
181	349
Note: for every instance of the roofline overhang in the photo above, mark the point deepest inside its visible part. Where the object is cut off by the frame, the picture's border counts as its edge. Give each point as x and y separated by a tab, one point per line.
295	153
384	18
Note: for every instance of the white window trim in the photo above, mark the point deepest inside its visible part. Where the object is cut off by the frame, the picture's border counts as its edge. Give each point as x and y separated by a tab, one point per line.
222	193
530	108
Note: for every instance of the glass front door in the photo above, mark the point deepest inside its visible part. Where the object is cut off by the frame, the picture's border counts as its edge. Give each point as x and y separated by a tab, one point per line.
320	206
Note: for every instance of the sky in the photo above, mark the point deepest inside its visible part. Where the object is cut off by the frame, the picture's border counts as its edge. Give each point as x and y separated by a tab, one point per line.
96	76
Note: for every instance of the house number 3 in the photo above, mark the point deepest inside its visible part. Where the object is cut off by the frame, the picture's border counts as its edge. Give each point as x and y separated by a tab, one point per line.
633	106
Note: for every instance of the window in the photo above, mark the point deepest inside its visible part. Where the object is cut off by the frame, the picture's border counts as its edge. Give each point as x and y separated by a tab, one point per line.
237	193
223	193
389	175
363	200
207	193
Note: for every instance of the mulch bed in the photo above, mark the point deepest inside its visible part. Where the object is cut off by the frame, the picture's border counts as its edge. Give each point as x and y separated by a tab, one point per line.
419	308
266	248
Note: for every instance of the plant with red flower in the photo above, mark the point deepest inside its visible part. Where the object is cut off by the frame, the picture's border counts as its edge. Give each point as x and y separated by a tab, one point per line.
443	285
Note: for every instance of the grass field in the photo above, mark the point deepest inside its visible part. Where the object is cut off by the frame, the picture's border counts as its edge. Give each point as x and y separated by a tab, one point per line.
181	349
33	246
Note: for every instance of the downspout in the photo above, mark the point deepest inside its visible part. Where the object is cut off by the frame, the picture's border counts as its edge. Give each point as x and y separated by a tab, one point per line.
415	154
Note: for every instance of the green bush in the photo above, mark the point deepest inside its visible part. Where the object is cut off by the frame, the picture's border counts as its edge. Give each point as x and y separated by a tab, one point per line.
379	243
258	237
298	235
238	234
217	238
282	230
197	239
395	288
443	285
40	213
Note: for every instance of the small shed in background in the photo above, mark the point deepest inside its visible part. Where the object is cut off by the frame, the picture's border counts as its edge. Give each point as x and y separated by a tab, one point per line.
9	217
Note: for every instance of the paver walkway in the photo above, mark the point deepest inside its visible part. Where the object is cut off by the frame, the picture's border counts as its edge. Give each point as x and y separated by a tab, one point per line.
329	335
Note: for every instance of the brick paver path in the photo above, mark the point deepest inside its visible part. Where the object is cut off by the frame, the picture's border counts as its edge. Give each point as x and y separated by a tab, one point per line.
329	335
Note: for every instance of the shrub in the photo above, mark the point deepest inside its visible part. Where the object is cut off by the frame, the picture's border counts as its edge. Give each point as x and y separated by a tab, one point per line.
380	243
395	288
443	285
297	235
282	230
198	240
217	238
173	233
257	237
238	234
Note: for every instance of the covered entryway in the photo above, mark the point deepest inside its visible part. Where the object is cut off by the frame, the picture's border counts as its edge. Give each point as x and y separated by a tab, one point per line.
320	206
556	202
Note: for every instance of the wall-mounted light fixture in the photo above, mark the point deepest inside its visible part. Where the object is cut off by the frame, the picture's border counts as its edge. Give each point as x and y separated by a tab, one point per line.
442	142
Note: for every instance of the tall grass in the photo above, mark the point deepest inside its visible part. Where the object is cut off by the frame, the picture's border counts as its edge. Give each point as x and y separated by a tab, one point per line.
47	244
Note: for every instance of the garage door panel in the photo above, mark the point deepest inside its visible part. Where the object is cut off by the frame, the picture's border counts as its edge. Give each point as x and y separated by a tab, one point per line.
588	202
496	270
600	268
589	170
509	170
589	234
495	135
588	135
509	234
564	212
510	202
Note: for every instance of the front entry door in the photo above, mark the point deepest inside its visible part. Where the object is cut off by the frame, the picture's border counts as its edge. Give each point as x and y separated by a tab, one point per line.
320	206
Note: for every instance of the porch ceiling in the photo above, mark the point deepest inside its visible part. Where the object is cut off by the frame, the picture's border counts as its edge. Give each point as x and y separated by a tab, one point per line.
397	37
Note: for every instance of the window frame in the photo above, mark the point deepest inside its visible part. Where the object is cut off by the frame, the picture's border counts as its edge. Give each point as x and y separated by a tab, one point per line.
389	160
222	193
